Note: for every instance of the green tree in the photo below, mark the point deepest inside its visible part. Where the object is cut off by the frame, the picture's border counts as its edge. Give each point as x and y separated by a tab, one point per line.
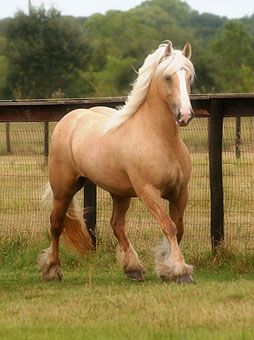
3	63
121	40
233	50
49	55
46	54
114	79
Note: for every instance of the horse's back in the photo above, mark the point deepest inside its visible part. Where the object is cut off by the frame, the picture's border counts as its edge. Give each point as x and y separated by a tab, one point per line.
81	121
80	146
73	127
97	115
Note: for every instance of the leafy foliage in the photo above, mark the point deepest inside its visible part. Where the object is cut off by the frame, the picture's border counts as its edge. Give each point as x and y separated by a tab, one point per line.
44	54
234	49
117	72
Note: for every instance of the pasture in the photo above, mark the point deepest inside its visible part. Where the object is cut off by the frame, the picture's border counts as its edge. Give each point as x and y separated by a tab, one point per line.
95	300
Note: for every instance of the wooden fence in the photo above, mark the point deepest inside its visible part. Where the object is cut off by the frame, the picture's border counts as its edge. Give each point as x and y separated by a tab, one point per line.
215	107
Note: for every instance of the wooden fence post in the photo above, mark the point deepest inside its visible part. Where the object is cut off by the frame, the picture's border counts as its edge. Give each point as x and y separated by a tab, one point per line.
46	139
8	137
215	134
90	209
238	137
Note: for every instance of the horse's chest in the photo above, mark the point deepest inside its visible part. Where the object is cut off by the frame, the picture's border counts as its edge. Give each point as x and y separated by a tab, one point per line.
173	181
171	177
162	173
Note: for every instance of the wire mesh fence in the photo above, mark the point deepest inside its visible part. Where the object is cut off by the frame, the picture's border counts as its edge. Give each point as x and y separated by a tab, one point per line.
238	177
23	174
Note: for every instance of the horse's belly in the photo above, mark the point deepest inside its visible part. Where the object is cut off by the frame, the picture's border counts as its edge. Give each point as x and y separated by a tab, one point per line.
98	162
117	189
114	181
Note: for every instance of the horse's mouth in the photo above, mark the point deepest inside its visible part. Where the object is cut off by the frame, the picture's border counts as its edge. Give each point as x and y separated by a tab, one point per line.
182	123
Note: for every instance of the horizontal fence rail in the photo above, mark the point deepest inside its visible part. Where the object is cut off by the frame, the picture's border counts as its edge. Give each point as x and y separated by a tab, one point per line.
44	110
214	107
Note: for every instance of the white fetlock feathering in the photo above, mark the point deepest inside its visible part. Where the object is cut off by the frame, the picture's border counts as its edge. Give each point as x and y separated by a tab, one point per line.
166	266
128	260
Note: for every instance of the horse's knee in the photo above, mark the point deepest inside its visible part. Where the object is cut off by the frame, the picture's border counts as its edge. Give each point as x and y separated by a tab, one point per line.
170	230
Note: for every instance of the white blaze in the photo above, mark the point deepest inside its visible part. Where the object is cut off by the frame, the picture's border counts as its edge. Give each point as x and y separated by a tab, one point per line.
185	109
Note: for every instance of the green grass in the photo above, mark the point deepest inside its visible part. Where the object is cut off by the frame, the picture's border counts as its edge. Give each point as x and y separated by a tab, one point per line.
96	301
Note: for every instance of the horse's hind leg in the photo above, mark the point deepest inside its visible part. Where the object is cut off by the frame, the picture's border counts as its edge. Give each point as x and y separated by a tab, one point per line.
126	253
49	260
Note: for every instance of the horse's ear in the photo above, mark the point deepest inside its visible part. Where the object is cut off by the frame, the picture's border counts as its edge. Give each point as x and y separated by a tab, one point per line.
169	49
187	50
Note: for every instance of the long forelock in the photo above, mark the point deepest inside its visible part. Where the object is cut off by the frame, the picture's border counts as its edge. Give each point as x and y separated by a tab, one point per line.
175	62
154	63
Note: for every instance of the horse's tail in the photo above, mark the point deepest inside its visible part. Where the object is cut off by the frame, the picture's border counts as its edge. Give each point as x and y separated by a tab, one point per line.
75	233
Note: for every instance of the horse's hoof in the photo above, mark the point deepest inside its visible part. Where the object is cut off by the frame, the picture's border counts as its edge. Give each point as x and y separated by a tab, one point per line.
165	278
135	275
53	275
184	278
57	278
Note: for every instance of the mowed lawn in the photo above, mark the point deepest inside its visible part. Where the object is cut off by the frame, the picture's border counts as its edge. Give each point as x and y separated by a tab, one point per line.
96	301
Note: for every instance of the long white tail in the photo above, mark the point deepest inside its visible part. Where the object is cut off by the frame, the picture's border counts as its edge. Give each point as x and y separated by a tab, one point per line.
75	233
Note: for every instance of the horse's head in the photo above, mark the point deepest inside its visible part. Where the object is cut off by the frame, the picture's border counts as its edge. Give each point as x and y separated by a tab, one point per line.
165	75
176	72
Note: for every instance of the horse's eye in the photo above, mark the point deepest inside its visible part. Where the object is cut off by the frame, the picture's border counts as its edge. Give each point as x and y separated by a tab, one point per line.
167	78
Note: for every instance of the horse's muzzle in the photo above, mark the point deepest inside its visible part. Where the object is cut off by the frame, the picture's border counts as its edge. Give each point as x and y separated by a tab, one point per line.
184	119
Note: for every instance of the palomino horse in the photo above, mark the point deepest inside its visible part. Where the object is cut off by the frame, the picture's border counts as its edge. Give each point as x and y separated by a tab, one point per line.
135	151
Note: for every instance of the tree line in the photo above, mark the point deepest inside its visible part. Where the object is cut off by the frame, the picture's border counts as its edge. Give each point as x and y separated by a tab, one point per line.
46	55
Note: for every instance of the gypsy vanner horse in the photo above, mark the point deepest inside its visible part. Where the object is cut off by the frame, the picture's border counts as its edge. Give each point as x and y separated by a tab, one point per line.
135	151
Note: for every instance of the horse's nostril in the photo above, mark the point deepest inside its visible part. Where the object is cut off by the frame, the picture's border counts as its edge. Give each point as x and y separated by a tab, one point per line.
179	116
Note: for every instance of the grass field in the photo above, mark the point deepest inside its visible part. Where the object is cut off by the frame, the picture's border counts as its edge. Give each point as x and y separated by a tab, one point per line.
96	301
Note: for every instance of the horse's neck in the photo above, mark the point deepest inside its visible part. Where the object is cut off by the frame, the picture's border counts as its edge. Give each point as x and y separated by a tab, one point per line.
158	117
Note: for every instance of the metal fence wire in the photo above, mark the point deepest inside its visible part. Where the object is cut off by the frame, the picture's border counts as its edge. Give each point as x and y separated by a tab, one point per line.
238	181
23	174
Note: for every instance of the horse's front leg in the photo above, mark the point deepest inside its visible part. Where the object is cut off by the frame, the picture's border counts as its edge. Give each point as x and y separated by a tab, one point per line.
177	207
127	255
170	264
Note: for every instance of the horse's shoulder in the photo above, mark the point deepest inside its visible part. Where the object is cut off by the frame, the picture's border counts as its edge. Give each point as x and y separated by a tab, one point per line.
104	110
